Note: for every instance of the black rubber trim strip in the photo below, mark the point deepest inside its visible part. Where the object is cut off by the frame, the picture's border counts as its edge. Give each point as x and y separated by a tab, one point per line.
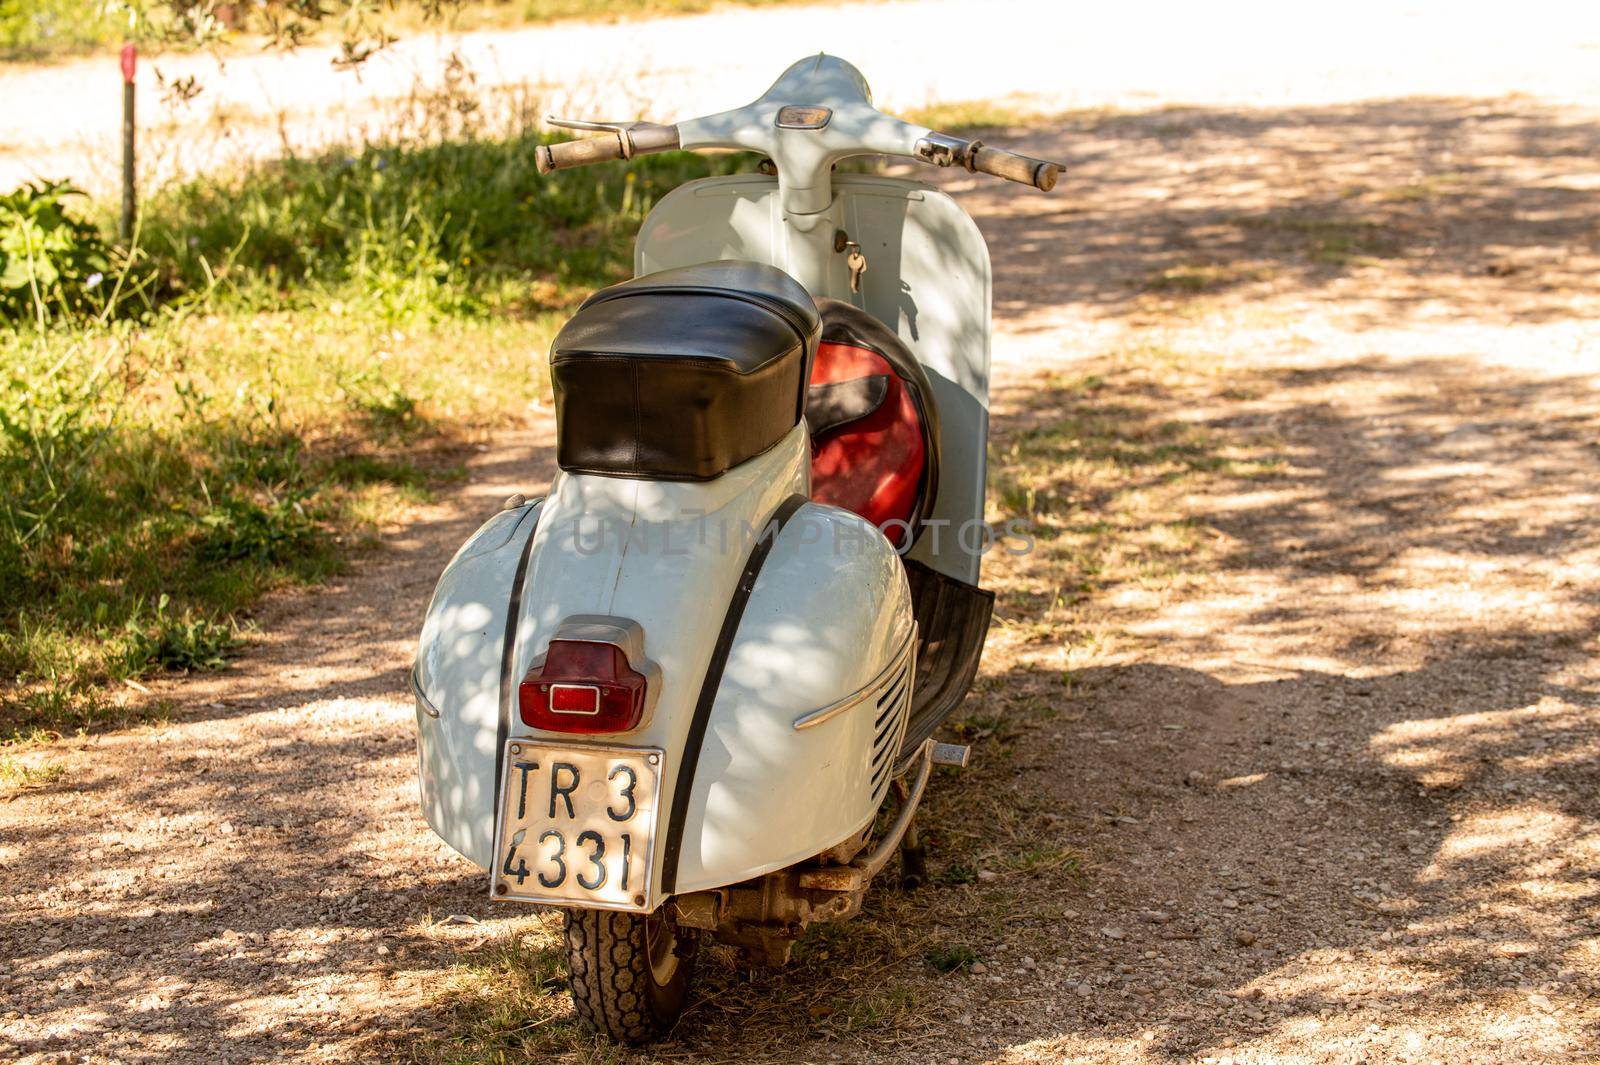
684	786
508	650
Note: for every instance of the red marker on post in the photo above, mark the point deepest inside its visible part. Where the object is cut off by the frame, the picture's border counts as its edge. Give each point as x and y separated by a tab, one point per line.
130	57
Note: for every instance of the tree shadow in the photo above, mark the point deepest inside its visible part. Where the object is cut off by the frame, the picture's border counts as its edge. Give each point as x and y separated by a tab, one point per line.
236	874
1334	784
1485	203
1331	787
1354	691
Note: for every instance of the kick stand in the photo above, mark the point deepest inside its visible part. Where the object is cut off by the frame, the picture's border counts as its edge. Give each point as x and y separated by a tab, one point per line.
913	860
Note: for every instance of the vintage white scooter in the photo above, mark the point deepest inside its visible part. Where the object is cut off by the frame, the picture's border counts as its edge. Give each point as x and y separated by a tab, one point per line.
674	696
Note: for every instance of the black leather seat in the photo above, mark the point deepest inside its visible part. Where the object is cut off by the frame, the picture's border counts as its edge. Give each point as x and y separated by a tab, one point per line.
684	373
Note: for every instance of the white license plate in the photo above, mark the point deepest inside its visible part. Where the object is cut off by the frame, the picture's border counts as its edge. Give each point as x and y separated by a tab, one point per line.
576	825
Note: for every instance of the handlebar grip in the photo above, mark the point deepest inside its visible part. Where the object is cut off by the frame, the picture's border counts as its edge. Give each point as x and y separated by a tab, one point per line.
1012	166
941	149
640	138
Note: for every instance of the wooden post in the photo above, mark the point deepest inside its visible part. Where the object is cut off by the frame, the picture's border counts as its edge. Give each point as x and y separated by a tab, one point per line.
129	203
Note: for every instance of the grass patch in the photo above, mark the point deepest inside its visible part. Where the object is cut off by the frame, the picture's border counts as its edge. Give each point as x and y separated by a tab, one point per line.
1192	278
508	1002
409	233
968	116
17	775
1329	240
288	361
1098	469
952	958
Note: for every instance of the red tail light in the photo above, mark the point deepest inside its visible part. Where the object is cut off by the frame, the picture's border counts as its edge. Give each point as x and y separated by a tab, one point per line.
582	686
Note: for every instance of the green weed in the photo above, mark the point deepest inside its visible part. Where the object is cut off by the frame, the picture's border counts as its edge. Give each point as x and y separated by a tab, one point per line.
957	873
242	530
18	775
952	958
188	642
51	260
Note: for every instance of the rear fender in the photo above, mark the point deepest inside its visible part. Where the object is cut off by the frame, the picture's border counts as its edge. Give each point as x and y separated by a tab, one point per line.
826	616
666	555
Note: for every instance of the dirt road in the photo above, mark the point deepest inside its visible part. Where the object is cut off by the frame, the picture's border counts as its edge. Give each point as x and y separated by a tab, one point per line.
64	120
1285	739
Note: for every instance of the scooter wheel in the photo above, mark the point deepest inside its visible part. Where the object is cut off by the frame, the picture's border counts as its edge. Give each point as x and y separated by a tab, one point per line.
629	973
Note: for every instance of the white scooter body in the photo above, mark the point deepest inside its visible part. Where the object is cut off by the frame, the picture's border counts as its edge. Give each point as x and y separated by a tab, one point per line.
829	609
829	618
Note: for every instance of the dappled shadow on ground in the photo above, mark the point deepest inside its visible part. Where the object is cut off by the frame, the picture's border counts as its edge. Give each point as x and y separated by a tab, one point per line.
1287	732
1332	762
1486	204
253	879
183	921
1317	782
1273	870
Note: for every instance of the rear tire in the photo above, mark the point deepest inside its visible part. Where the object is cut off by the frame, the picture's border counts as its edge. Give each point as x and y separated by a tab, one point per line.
629	972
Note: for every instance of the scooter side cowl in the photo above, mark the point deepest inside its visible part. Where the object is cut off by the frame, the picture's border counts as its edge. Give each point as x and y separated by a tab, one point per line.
456	681
828	625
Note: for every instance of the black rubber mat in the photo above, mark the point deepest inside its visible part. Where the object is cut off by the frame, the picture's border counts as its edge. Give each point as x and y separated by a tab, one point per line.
952	621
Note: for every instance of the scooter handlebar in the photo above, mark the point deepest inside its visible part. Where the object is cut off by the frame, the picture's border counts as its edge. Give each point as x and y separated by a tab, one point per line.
626	141
629	139
943	150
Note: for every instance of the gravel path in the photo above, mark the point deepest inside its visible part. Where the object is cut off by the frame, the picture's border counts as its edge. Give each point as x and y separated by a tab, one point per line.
1286	736
64	120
